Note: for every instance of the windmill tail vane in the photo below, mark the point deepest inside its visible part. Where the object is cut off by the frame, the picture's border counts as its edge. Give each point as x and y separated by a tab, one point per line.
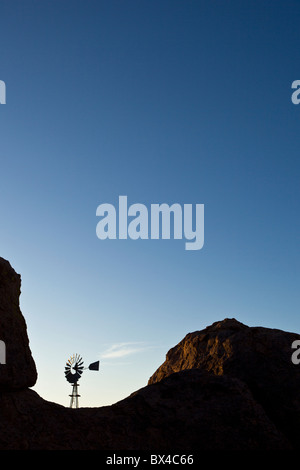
94	365
73	371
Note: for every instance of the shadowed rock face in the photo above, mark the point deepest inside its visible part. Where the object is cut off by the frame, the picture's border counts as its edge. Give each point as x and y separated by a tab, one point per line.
19	371
259	357
227	387
190	410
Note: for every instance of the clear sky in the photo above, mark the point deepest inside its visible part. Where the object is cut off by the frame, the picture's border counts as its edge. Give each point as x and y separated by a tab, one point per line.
163	101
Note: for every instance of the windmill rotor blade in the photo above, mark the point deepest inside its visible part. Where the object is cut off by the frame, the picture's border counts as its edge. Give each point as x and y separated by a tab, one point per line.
74	368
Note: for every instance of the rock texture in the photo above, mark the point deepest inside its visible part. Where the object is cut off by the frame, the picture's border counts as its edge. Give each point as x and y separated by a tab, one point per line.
259	357
19	371
227	387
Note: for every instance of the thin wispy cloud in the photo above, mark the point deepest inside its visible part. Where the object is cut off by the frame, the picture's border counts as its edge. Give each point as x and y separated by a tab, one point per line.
120	350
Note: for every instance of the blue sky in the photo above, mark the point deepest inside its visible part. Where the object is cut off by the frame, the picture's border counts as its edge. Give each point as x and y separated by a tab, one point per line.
163	101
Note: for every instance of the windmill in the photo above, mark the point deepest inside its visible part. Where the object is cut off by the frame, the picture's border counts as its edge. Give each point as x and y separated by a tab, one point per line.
73	371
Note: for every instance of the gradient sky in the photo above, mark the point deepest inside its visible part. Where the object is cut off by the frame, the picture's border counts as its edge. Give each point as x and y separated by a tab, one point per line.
163	101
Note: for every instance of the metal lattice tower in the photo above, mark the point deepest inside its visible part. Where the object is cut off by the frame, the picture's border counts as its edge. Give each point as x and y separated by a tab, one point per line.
74	397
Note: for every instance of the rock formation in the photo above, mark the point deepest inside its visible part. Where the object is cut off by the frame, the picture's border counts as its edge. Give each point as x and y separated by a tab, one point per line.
259	357
19	371
227	387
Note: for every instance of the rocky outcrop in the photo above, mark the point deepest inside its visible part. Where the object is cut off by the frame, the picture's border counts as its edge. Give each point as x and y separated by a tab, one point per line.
19	371
227	387
191	410
259	357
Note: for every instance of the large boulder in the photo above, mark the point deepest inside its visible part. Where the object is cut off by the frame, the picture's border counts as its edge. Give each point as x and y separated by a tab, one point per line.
260	357
19	370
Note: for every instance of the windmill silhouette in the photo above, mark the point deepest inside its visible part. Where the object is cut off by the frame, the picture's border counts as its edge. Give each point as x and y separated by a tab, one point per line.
73	371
